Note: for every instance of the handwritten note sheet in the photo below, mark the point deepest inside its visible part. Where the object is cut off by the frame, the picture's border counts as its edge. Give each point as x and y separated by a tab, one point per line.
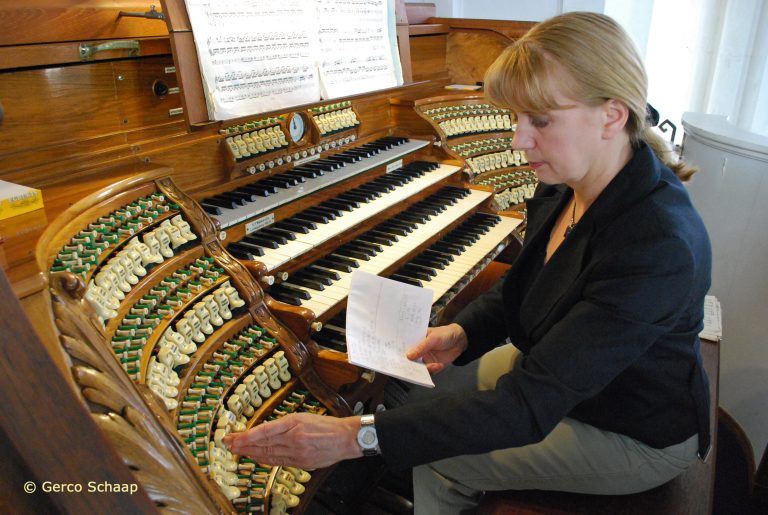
384	319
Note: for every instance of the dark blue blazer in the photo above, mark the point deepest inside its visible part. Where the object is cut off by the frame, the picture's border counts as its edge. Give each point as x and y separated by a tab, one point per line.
608	329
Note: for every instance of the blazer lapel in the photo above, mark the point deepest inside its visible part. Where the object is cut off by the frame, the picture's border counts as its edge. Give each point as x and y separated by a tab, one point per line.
556	278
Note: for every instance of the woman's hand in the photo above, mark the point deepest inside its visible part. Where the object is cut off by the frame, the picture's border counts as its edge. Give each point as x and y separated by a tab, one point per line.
440	347
302	440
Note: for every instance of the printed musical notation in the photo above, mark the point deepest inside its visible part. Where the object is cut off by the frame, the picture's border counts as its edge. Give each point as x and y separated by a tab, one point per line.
263	55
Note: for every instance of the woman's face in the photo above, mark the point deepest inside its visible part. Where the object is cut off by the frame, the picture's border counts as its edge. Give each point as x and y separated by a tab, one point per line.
562	145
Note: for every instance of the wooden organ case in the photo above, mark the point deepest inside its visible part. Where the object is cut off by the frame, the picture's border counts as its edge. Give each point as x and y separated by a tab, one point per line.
187	278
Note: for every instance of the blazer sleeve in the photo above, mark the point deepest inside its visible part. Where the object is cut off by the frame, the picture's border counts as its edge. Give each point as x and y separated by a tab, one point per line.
482	322
627	302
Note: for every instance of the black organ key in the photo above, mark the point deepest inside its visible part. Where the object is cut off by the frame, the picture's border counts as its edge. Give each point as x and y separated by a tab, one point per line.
211	209
262	190
221	202
359	151
352	253
285	298
240	253
426	270
443	257
290	290
314	275
373	190
450	248
373	248
458	240
278	232
342	260
304	281
276	237
412	217
261	241
358	197
346	205
330	212
381	235
322	272
406	280
241	195
391	229
335	264
307	172
371	238
244	246
295	225
427	262
311	217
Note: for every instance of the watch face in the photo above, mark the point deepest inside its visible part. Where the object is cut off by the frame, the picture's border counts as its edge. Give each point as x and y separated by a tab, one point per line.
296	127
367	438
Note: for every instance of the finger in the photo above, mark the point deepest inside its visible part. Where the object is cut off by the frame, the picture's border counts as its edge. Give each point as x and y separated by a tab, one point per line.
434	368
268	434
272	455
421	348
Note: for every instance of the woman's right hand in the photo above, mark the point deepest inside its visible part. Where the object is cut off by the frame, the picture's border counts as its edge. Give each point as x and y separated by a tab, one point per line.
440	346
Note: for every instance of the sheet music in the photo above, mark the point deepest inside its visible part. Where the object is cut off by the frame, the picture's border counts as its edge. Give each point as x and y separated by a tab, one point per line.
358	46
384	319
262	55
255	55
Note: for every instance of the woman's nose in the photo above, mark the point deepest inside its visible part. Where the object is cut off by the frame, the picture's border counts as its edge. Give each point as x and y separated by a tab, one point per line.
522	140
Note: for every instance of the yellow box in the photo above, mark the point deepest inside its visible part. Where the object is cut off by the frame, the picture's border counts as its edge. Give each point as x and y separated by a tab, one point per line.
16	199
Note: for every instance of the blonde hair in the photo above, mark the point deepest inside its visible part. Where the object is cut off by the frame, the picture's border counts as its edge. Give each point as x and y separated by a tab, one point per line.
591	59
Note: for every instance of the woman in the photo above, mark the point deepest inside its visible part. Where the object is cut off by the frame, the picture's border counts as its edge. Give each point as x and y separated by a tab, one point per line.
603	390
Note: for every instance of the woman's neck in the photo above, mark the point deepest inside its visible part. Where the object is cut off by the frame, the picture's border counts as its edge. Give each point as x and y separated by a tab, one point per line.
601	173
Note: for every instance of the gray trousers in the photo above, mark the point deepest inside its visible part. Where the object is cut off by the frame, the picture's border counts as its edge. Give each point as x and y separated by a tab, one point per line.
574	457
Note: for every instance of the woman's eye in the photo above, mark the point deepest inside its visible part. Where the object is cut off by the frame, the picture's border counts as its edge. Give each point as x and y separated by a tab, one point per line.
539	122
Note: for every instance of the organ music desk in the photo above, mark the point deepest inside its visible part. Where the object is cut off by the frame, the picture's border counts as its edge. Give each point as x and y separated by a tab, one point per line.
187	278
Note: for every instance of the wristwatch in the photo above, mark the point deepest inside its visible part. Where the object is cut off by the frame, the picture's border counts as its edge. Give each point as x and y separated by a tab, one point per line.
367	438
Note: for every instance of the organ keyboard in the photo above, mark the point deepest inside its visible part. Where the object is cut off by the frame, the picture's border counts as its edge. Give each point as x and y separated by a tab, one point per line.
307	176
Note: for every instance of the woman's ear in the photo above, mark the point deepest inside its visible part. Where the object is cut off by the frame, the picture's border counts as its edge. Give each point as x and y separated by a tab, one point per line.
615	117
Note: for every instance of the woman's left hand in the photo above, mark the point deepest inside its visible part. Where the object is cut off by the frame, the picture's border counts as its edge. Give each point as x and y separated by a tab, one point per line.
302	440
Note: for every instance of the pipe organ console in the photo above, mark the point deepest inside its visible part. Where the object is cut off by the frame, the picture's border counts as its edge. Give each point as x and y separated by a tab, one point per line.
188	279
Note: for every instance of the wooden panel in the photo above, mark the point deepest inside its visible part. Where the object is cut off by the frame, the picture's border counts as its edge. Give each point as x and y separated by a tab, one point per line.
27	56
56	105
471	53
58	116
419	12
47	21
146	108
428	55
81	453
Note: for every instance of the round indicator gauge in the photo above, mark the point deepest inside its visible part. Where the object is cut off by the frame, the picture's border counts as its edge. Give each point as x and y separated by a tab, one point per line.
296	127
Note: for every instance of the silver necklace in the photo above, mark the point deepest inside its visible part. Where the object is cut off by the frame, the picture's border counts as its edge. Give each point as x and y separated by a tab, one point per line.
573	221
